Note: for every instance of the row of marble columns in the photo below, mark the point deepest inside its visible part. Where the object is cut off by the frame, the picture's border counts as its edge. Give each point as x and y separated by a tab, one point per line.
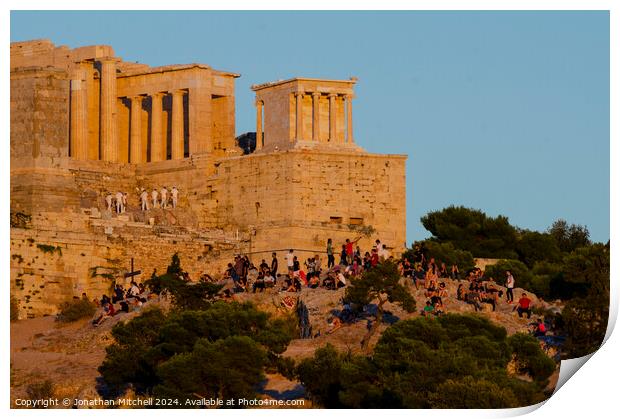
299	118
108	126
158	145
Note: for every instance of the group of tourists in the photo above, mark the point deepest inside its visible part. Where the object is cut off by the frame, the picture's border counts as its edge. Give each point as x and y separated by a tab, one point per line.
310	273
159	199
122	300
162	198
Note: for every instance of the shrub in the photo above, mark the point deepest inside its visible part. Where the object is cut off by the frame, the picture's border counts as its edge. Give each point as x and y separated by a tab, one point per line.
71	311
455	361
522	275
40	391
469	393
228	344
444	252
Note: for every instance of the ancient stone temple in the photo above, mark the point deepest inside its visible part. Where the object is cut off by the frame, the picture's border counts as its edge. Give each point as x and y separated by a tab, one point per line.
87	126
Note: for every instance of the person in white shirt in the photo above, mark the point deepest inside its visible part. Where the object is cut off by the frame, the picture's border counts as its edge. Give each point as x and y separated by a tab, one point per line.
164	197
289	259
124	202
119	202
154	196
108	201
144	200
175	196
510	284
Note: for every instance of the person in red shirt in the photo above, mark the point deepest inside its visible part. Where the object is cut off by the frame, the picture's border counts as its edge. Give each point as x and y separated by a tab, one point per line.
524	306
349	249
374	258
541	330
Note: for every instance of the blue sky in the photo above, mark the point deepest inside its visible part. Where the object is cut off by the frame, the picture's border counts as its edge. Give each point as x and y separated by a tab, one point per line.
507	112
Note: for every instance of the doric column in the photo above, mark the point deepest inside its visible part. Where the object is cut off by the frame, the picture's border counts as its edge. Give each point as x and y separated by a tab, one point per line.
316	96
259	124
178	149
332	117
299	116
107	126
79	114
349	102
157	146
135	137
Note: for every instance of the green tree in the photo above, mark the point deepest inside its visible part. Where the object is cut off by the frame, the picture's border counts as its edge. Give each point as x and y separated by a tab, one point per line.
229	368
569	237
186	295
469	393
379	285
145	343
585	317
453	361
522	275
472	230
533	247
443	252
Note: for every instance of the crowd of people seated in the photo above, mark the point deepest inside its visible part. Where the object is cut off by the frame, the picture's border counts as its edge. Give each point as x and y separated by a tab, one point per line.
310	273
123	300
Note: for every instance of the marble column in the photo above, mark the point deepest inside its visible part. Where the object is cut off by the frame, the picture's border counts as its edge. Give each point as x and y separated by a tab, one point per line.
108	114
79	114
135	136
259	125
349	103
157	145
178	148
299	116
315	116
332	117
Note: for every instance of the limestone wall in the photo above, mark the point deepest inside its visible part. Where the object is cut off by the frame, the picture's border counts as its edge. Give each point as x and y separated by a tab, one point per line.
301	198
59	256
39	114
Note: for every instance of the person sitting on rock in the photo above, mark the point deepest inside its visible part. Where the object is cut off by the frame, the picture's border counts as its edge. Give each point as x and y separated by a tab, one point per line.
439	310
473	298
524	306
334	323
541	329
259	283
428	309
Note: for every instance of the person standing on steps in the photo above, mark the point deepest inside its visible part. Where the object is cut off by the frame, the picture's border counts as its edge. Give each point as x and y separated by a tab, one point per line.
175	196
154	196
164	197
510	284
124	202
144	200
119	202
108	201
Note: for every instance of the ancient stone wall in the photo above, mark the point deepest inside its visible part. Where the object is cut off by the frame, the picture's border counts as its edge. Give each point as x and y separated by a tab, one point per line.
60	256
301	198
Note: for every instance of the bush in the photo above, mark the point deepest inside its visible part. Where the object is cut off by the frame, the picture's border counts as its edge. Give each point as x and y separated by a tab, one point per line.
529	358
71	311
455	361
469	393
40	391
522	275
472	230
444	252
228	343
